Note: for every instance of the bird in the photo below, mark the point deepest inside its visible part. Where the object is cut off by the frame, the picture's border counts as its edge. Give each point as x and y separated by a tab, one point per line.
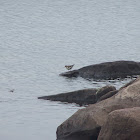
69	67
12	90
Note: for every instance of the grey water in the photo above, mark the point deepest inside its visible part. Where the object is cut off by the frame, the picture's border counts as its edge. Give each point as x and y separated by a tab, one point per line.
38	38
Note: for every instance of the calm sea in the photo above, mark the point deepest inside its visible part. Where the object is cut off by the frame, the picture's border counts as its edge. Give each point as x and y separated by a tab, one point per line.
38	38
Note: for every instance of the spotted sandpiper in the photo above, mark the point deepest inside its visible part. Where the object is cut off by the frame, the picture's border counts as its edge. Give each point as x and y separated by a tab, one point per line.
69	67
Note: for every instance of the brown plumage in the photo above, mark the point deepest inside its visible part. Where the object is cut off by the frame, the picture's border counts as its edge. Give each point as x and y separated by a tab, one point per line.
69	67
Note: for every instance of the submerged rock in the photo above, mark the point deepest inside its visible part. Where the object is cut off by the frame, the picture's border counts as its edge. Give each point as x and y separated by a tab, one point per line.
123	124
86	123
81	97
108	70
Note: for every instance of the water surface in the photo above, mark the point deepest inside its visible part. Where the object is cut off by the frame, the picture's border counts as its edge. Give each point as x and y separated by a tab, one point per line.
38	38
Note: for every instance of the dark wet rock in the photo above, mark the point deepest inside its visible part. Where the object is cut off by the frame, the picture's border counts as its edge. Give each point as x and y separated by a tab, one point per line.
104	90
70	74
123	124
81	97
108	70
107	95
87	122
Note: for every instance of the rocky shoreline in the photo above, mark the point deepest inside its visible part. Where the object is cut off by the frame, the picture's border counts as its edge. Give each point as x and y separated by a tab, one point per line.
84	96
94	123
110	115
107	70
